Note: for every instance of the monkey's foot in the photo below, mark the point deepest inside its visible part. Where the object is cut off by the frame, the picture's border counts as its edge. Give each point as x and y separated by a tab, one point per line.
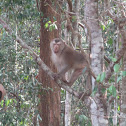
57	76
67	83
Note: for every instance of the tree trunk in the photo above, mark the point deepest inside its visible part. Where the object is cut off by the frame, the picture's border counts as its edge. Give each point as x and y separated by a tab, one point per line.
68	109
123	97
49	106
98	110
74	39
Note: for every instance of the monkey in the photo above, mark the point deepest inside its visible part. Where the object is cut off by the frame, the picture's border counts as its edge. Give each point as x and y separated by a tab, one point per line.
66	58
2	92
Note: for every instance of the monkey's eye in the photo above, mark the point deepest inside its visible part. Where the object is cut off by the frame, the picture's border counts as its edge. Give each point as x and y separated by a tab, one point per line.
57	40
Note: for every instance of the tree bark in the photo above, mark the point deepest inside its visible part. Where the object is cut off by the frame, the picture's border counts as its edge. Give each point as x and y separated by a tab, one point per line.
98	110
49	106
123	96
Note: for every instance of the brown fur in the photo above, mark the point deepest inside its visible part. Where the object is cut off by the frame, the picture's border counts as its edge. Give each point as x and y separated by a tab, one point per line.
66	59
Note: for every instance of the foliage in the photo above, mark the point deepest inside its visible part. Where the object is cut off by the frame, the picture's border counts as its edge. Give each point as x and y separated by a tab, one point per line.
17	69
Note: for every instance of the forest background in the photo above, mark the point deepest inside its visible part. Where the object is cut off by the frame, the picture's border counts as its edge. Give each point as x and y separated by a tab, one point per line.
96	28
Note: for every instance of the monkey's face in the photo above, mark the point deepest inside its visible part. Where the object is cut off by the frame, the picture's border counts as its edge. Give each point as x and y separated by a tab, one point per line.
57	45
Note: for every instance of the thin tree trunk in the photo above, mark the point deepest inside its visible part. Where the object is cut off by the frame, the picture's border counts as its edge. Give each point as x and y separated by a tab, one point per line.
68	109
49	106
115	101
123	97
74	39
67	119
115	113
98	110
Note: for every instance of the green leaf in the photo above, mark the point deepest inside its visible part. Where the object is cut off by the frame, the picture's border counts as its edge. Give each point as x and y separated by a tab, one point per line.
102	76
118	108
54	18
98	78
14	35
11	101
119	78
38	116
63	91
89	123
55	26
46	25
112	90
124	73
116	67
82	119
103	90
114	59
7	102
94	91
50	28
49	22
103	27
42	14
26	77
118	97
110	41
2	103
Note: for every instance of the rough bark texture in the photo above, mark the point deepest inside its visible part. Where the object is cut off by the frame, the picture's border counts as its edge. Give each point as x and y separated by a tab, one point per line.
68	109
91	13
49	106
74	37
67	118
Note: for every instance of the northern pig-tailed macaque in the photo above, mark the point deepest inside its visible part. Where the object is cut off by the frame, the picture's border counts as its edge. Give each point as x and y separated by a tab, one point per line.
66	58
2	92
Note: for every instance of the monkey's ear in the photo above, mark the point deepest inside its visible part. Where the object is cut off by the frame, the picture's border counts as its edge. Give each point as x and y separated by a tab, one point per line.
63	41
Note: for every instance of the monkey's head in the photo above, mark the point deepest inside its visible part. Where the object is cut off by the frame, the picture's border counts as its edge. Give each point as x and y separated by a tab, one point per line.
57	45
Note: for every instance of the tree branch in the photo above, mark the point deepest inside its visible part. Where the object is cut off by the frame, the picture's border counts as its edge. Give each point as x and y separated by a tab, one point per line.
70	5
122	50
37	3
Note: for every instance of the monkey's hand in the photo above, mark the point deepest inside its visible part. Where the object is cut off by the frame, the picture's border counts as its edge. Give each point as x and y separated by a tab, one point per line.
56	76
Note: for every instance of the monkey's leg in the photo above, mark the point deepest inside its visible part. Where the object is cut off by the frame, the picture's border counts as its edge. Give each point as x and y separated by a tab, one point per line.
61	74
74	76
63	71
